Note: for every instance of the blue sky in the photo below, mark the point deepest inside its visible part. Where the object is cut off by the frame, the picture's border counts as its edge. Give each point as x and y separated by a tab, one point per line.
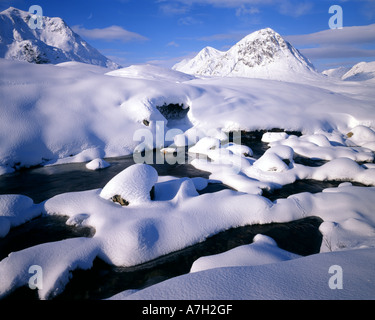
165	32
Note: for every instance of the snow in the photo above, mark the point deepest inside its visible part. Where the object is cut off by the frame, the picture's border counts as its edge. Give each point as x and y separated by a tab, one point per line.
179	217
101	114
97	164
75	112
263	250
16	210
151	72
336	72
318	146
262	54
133	184
305	278
360	72
54	43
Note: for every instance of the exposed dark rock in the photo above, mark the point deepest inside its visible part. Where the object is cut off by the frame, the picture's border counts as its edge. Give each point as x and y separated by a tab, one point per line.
117	198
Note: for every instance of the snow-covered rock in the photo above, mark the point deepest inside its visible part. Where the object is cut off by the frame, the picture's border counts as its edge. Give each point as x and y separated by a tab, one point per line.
276	159
97	164
54	43
262	54
263	250
132	184
16	210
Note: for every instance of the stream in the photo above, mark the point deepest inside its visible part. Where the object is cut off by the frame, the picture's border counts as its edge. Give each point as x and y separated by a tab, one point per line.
102	280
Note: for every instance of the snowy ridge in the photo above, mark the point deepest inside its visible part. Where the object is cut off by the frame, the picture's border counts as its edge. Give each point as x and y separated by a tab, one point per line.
262	54
151	72
54	43
360	72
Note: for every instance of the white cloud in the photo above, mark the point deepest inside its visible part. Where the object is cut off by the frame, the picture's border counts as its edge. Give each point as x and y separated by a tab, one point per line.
109	34
172	44
188	21
337	52
348	42
293	8
344	36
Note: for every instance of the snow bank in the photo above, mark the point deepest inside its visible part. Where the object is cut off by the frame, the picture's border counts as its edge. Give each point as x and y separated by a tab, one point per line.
16	210
151	72
306	278
262	251
56	260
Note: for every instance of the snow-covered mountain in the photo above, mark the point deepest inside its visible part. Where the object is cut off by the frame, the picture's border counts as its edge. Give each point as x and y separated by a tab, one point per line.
54	43
261	54
336	72
360	72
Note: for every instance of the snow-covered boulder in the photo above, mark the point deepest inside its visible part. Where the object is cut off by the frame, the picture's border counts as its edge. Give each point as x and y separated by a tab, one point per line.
205	144
97	164
362	136
14	210
274	136
239	149
133	185
276	159
263	250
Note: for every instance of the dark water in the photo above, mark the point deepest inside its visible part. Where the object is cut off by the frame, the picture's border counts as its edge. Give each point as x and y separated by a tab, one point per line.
102	281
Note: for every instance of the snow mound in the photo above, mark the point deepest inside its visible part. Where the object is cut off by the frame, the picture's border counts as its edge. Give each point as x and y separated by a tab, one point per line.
97	164
262	251
277	159
332	146
151	72
16	210
306	278
132	184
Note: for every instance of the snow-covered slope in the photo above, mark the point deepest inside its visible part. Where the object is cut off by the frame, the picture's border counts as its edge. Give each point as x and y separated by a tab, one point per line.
262	54
54	43
360	72
336	72
66	112
151	72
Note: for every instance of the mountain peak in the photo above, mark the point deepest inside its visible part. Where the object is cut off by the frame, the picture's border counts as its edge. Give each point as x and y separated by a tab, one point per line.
261	54
55	43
